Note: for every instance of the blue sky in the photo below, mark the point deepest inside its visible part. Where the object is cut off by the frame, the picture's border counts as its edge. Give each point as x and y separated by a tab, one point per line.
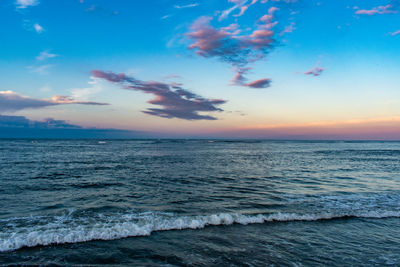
250	66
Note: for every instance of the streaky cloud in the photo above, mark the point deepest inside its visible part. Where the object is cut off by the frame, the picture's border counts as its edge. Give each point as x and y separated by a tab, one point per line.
12	102
316	71
45	55
288	29
22	4
387	9
395	33
166	16
42	69
241	5
186	6
176	102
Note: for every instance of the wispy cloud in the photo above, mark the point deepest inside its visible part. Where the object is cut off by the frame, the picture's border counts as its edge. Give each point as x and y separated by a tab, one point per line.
87	92
388	9
11	102
186	6
176	102
45	55
243	6
395	33
288	29
166	16
241	80
316	71
42	70
238	4
38	28
21	4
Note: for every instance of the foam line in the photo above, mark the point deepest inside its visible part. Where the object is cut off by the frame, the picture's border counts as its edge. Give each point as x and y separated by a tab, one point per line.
67	229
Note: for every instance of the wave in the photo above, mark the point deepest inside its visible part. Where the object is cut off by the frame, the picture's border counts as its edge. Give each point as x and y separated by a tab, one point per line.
17	233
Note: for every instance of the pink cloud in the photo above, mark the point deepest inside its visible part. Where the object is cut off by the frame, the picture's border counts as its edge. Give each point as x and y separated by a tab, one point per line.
242	10
315	71
395	33
388	9
175	101
271	10
241	80
210	41
229	45
261	83
235	46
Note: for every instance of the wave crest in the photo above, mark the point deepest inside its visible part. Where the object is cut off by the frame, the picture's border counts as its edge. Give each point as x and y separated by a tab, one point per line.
41	231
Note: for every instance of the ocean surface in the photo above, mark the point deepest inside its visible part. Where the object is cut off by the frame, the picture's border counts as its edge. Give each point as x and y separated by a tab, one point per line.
199	203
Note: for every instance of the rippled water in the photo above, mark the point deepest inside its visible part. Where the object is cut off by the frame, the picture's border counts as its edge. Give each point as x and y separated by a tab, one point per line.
199	202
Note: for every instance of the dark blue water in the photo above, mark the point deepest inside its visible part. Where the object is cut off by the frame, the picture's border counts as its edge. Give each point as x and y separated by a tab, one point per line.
199	203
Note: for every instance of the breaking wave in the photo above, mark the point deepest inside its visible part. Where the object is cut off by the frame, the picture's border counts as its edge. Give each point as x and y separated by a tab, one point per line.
22	232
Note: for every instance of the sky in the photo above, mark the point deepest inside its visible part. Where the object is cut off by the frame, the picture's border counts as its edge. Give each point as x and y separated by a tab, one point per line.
281	69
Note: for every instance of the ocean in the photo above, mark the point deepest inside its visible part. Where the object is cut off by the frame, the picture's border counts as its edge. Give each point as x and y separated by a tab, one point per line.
199	203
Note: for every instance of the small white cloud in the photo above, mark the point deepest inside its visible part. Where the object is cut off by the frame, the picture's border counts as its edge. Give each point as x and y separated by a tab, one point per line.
288	29
166	16
45	55
43	69
38	28
21	4
86	93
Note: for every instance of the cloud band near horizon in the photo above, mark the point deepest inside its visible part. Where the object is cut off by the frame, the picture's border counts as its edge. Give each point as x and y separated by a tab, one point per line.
12	102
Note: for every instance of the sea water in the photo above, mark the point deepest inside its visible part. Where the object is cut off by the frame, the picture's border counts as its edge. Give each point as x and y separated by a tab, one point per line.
199	202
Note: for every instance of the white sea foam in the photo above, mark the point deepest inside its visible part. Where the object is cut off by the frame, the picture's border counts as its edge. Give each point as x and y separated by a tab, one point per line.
68	229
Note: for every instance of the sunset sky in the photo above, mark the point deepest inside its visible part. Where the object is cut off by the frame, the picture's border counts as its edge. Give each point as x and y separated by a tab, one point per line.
214	68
